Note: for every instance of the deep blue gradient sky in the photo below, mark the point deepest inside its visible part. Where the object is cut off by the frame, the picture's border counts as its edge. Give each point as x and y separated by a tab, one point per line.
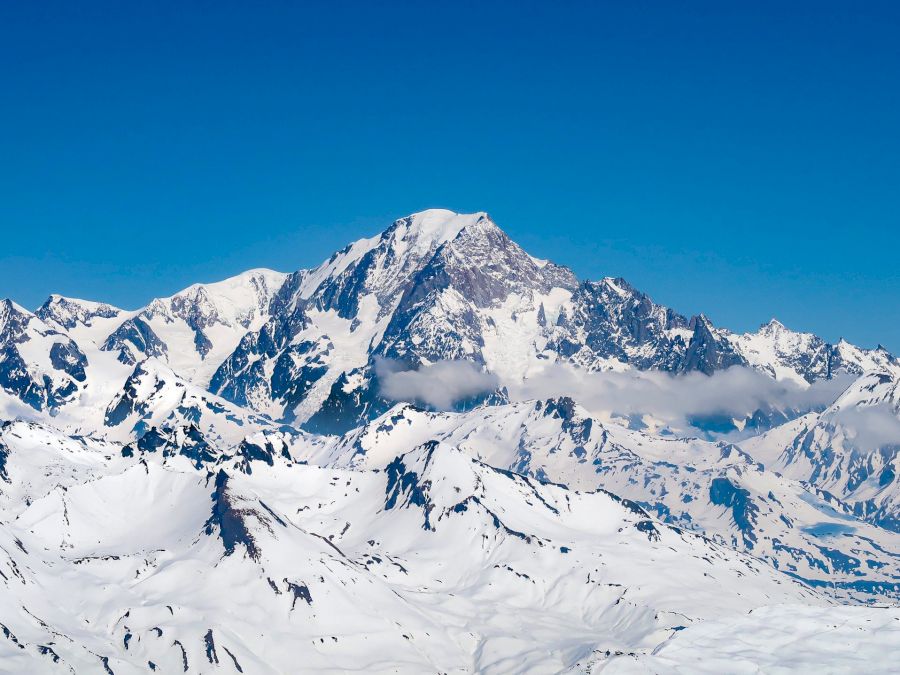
740	159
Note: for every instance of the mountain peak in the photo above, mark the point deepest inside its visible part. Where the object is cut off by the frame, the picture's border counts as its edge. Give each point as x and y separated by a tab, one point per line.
13	314
439	214
773	326
11	306
426	230
235	284
702	321
397	251
617	285
68	312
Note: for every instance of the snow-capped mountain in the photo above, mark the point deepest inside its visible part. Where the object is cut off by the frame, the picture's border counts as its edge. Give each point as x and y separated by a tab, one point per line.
68	314
609	321
437	286
786	354
154	397
431	287
434	286
192	331
233	477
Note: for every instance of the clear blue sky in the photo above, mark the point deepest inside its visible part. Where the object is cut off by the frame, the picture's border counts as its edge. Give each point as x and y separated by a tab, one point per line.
740	159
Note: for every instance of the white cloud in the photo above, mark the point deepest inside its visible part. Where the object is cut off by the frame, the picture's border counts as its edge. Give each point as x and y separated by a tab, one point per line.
869	427
438	385
668	400
674	399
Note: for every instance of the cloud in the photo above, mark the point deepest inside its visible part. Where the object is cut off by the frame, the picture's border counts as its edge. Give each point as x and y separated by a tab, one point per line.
675	402
869	427
676	399
438	385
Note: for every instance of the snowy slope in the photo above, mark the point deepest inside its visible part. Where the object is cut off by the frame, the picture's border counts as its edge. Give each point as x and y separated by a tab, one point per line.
789	639
851	450
125	563
712	488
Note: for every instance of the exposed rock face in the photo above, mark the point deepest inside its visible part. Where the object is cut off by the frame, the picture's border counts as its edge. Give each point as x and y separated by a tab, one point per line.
67	313
609	319
708	350
135	340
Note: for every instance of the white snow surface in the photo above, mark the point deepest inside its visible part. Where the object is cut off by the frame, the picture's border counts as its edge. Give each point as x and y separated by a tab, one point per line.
131	561
778	639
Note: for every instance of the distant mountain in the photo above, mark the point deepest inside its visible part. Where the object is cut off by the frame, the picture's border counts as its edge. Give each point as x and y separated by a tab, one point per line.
191	331
786	354
438	285
434	286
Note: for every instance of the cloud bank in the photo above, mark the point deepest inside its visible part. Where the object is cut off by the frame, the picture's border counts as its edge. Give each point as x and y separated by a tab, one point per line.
438	385
676	399
671	400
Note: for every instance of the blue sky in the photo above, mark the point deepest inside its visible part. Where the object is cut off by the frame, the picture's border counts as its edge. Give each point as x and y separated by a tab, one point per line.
740	159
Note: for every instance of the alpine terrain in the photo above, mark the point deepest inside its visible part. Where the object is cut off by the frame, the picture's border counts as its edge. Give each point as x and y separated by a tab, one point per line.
435	452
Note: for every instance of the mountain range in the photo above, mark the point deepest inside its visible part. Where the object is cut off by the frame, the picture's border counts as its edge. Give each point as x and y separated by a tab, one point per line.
436	452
